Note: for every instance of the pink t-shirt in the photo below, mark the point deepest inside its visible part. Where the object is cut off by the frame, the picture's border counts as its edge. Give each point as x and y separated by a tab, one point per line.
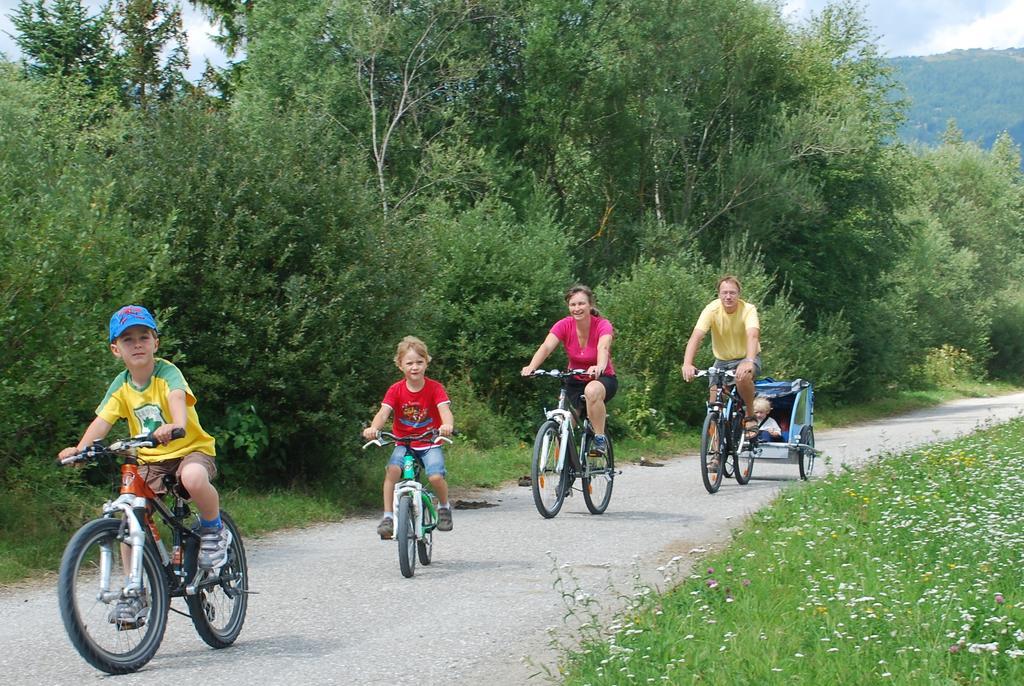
582	357
415	412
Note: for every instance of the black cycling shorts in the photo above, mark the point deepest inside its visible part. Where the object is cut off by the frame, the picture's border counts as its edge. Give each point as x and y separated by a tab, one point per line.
575	387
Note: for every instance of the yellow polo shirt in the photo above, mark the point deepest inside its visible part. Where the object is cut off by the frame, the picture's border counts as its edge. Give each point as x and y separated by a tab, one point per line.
147	408
729	331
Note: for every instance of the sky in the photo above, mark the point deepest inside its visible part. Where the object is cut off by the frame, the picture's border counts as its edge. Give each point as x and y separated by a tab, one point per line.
197	27
929	27
902	27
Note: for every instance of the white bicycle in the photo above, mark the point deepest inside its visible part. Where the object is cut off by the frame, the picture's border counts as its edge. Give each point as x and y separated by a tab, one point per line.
561	452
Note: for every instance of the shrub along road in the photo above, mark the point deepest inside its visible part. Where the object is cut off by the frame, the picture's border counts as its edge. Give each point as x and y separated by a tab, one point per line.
333	607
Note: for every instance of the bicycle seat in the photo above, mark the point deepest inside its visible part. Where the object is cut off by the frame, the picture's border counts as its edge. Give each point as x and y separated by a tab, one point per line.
173	486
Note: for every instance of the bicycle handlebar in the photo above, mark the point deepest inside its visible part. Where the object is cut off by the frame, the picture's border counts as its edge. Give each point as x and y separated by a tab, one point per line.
727	373
559	373
125	446
387	438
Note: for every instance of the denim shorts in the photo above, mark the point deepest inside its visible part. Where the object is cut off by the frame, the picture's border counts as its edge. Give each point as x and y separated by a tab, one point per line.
433	459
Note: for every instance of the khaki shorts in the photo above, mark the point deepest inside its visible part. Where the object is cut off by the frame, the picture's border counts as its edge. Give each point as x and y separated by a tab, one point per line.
154	472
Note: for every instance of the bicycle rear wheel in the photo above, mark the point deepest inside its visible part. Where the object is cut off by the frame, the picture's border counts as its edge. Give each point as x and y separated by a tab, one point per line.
712	461
548	485
807	455
405	532
105	641
598	478
218	610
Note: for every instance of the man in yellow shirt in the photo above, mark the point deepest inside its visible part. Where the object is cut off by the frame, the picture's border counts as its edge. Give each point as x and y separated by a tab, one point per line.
735	341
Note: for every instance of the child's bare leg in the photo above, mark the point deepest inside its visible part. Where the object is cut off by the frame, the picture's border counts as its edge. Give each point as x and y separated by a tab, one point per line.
196	481
440	487
391	477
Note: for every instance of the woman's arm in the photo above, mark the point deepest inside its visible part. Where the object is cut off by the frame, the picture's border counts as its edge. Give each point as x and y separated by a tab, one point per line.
546	348
604	353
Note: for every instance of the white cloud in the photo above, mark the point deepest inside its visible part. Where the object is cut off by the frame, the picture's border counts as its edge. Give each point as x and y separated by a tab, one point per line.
999	30
922	27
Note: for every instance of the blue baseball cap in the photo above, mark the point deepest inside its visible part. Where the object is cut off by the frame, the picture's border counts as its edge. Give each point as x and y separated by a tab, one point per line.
130	315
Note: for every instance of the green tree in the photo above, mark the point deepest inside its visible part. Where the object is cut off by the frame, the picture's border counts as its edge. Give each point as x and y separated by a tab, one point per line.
61	39
153	52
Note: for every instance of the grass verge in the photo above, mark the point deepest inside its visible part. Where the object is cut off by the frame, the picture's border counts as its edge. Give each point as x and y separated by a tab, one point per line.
907	571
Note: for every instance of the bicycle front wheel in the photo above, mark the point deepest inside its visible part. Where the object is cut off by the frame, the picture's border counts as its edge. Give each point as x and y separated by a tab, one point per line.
598	475
113	633
425	546
405	532
712	461
548	485
742	454
218	610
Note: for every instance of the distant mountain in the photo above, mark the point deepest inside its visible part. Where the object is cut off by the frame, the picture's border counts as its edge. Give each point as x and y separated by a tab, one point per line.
983	90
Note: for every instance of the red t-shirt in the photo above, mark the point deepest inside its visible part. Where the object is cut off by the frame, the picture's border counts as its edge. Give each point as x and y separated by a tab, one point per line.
582	357
416	412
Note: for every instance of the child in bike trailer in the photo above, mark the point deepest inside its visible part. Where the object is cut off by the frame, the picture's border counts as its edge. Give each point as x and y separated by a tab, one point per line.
419	404
154	397
768	429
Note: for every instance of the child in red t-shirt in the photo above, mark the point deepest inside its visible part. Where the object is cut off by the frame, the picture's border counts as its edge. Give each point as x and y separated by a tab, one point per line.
419	404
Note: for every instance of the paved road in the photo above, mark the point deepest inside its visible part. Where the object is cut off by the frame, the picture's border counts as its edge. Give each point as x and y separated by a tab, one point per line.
333	606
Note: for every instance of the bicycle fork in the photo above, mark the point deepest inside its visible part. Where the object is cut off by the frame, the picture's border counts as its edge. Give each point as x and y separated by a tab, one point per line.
414	490
562	438
135	540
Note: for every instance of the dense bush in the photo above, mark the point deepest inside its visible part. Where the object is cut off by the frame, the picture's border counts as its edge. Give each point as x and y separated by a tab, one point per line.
65	251
497	291
448	171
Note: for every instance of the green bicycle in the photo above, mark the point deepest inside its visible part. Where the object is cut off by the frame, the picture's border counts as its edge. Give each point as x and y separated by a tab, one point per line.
415	505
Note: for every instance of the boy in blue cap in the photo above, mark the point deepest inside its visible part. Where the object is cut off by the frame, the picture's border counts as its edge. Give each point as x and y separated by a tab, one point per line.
154	397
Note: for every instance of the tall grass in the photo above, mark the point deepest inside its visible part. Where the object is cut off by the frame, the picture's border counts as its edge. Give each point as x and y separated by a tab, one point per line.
908	571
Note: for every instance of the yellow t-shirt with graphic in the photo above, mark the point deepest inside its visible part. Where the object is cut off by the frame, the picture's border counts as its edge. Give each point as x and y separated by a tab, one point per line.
147	408
729	331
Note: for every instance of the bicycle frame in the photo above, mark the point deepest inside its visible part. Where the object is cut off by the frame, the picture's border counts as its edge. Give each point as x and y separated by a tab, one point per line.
136	503
421	498
566	419
727	395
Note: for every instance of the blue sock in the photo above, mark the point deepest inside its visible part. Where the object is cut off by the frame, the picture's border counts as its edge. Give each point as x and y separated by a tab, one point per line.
212	524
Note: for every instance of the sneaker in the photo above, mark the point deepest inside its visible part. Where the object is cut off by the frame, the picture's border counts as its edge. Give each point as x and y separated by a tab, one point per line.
129	613
444	519
386	528
213	547
599	446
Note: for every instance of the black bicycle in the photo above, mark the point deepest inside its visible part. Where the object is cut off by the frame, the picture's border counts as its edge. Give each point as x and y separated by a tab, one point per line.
117	576
562	452
724	449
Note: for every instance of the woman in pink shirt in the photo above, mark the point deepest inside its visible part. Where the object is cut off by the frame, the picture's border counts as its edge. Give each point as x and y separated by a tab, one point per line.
587	338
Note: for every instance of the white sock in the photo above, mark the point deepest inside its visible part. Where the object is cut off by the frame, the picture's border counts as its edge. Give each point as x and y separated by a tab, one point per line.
446	506
389	515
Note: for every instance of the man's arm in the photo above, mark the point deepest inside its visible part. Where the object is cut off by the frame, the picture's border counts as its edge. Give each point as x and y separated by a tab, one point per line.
692	346
753	343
